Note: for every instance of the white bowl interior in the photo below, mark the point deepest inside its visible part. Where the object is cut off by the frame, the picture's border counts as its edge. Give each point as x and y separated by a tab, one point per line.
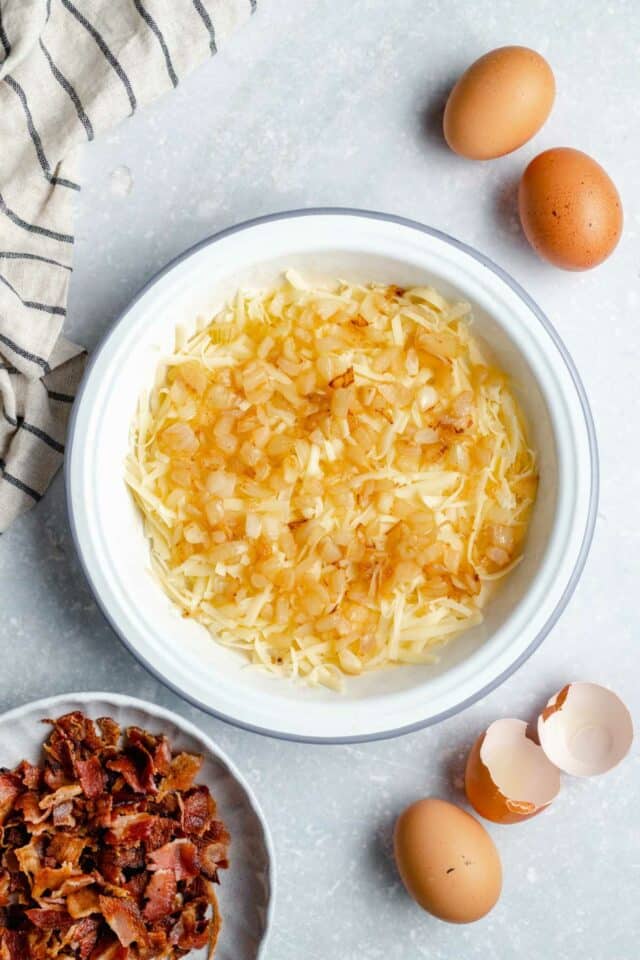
109	530
245	894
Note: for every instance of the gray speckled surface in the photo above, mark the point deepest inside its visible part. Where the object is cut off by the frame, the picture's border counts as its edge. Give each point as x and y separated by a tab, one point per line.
324	102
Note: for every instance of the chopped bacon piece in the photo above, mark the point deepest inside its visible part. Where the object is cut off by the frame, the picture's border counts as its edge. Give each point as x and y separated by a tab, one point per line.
70	725
61	795
5	886
195	932
145	767
63	815
160	894
131	857
161	832
92	778
137	769
168	805
66	847
54	775
141	738
13	836
125	766
83	902
110	731
29	775
158	943
107	850
217	831
109	948
82	937
29	857
130	828
77	728
61	751
181	856
125	919
135	887
113	860
76	883
30	807
183	771
103	811
15	945
162	756
197	810
49	919
214	850
214	857
59	881
110	871
10	787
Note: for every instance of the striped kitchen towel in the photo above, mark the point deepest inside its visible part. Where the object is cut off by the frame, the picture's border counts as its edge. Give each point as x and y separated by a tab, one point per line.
68	70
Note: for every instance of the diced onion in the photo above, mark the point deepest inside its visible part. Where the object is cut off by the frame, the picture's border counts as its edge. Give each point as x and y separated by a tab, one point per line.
332	478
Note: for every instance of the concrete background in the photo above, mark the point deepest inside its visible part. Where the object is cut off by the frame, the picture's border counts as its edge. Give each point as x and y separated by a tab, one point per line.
325	102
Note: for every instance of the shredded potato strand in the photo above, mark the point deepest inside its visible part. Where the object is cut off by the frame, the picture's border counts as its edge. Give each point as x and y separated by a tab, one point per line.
332	479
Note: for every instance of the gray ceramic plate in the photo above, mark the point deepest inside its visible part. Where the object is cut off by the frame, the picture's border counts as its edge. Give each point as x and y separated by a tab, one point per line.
246	892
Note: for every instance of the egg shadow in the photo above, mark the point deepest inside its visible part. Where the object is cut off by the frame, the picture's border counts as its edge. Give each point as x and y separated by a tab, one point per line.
448	785
505	208
432	113
380	857
452	773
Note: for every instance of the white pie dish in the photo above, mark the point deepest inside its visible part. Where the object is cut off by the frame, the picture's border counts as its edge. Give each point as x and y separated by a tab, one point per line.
108	531
247	889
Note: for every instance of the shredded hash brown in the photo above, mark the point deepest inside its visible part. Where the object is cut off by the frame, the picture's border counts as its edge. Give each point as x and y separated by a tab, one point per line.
332	478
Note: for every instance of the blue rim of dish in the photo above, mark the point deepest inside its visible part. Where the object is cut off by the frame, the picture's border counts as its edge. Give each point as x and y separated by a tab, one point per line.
593	456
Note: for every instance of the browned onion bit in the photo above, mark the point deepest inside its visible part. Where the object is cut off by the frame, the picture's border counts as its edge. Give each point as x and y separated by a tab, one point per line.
108	849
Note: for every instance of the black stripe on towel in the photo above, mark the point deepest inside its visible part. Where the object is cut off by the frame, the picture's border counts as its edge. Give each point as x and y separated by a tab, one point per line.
60	397
206	19
4	39
104	49
14	421
155	29
30	492
22	424
14	255
35	137
41	435
32	304
33	227
70	91
25	353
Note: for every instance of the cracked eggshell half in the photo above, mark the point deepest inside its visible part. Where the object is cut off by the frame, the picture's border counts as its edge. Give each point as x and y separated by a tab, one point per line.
508	777
585	729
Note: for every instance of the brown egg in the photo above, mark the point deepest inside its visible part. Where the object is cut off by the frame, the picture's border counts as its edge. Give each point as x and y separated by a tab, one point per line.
447	861
499	103
570	209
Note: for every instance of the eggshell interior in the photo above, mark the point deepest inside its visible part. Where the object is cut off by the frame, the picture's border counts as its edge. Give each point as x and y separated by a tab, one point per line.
585	729
517	765
508	777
